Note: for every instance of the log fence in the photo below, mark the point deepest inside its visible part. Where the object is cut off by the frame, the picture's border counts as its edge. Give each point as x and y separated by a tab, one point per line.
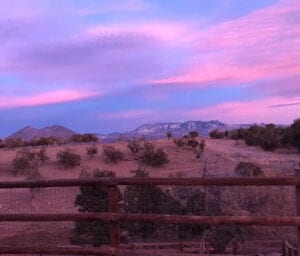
114	216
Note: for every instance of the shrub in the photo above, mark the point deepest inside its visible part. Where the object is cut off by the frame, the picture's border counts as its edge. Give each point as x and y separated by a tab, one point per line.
84	138
34	175
20	164
42	155
152	156
111	154
248	169
92	151
134	146
27	153
68	159
193	143
169	135
179	142
216	134
194	134
24	160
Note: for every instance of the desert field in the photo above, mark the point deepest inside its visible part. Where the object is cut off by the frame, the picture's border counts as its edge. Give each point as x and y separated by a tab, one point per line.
220	157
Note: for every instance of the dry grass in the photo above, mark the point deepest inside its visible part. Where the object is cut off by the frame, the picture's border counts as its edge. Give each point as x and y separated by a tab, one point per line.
221	158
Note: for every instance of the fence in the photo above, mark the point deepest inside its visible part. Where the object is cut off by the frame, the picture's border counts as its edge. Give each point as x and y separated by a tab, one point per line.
288	250
114	216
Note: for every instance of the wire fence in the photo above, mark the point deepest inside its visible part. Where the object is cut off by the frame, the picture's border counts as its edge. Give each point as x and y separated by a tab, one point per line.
138	229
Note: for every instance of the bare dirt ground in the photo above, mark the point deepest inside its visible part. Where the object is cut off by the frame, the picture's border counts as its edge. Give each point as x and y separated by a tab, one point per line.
220	158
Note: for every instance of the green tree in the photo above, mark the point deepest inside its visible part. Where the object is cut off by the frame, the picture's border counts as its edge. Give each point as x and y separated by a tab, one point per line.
295	134
147	199
269	138
252	135
194	134
92	199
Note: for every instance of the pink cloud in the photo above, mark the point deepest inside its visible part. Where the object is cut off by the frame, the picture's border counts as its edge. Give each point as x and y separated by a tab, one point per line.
275	109
262	45
43	98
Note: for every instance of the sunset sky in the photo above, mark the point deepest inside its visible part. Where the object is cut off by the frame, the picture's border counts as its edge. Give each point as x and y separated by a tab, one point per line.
112	65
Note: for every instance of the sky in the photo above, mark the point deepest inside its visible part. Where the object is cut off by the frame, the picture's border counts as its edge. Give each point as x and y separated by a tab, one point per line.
112	65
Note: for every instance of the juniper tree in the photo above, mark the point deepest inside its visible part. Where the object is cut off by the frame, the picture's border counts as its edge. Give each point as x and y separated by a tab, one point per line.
92	199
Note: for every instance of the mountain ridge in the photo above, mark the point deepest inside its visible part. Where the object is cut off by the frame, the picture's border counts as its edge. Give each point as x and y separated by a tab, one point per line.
150	131
159	130
29	133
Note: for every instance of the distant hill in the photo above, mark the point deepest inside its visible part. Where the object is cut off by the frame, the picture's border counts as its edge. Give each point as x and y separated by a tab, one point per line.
159	130
150	131
29	133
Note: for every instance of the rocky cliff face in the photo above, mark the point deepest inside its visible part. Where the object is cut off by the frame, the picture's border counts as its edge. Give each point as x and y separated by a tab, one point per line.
159	130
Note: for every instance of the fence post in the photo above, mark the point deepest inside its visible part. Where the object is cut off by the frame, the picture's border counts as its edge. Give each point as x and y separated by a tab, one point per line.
297	174
283	248
114	208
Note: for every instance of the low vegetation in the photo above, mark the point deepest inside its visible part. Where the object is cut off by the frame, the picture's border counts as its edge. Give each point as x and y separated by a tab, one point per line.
111	154
194	134
169	135
153	156
67	159
269	137
134	146
12	143
92	151
20	165
150	199
27	159
17	143
248	169
207	201
84	138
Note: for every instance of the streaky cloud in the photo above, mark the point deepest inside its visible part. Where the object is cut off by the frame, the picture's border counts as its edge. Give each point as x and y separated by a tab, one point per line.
44	98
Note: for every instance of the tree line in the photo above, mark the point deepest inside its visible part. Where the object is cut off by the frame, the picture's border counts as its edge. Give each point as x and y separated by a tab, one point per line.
47	141
269	137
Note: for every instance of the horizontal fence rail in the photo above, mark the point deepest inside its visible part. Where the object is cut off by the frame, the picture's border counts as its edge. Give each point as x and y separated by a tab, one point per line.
159	218
114	216
71	250
229	181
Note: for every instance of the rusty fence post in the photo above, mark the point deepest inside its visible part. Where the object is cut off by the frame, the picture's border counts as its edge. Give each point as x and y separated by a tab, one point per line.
114	208
297	174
